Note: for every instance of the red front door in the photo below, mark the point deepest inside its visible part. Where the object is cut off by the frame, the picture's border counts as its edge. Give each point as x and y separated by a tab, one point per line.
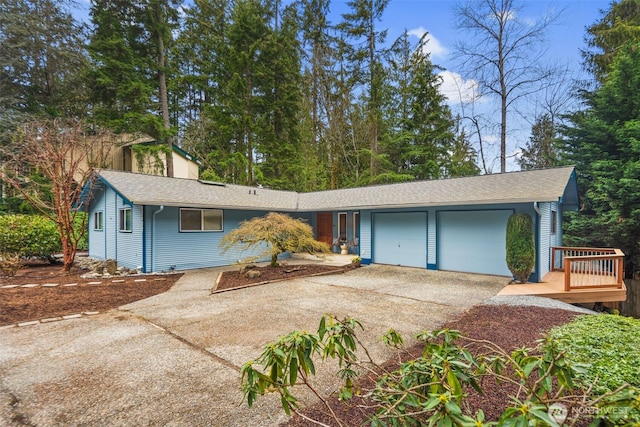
324	227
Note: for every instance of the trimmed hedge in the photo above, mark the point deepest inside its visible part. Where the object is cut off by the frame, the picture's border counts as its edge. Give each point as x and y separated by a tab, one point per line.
29	236
521	247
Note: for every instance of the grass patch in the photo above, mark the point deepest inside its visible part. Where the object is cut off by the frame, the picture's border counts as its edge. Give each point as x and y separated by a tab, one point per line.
608	346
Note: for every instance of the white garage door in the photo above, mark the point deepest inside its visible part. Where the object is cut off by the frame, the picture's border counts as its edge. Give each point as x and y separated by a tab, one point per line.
400	238
473	241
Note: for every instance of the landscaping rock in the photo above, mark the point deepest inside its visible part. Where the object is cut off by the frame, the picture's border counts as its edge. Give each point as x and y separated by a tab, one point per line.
112	266
252	274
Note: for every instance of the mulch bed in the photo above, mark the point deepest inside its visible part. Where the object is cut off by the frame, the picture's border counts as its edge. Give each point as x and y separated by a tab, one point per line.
240	278
34	303
510	327
25	304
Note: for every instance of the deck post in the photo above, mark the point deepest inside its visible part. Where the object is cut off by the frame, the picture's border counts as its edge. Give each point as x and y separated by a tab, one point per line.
567	274
620	271
553	259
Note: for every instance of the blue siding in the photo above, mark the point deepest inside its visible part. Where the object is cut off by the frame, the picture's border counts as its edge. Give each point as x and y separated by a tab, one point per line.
111	243
365	236
545	239
169	248
111	224
97	239
128	250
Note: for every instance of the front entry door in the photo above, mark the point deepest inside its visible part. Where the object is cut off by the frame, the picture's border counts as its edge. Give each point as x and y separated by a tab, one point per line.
324	227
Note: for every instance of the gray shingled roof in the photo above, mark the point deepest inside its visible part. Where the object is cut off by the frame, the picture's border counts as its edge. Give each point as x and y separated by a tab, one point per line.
513	187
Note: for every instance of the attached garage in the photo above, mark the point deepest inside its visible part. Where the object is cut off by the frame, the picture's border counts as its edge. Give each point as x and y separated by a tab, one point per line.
473	241
400	238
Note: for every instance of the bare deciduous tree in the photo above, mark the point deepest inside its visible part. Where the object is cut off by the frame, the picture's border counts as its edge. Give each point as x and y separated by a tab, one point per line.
62	154
503	53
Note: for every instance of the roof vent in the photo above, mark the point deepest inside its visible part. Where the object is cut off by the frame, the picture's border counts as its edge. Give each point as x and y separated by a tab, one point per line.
217	184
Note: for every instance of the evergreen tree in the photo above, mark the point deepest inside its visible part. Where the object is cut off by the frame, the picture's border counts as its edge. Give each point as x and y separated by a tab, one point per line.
422	141
317	84
201	87
129	49
540	151
619	26
365	58
42	59
280	146
603	142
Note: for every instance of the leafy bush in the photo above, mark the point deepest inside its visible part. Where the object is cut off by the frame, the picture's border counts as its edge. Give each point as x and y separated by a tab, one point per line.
608	346
521	247
431	389
80	227
29	236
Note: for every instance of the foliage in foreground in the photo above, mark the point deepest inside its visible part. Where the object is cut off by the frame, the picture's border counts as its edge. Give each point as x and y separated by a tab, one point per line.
272	235
608	346
430	390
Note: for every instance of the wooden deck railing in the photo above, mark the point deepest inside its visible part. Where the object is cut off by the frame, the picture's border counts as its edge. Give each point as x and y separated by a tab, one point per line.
589	267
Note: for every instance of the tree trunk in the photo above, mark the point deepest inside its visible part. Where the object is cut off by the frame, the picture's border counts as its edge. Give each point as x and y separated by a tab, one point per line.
164	102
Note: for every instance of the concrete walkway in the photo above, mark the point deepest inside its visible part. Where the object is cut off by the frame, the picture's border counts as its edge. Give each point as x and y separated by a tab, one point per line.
174	359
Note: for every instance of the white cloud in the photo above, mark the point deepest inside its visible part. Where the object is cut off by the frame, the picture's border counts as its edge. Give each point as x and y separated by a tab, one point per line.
432	46
458	90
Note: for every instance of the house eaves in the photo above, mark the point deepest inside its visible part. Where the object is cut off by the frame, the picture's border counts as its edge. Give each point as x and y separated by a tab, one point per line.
547	185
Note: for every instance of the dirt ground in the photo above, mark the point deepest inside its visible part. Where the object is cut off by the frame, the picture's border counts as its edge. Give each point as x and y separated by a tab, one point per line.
241	278
21	304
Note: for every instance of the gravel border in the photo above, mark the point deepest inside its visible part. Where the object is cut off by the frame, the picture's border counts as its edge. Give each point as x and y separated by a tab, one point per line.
528	300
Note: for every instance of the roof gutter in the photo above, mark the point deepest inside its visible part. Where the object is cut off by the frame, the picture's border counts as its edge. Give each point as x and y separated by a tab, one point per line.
537	208
153	232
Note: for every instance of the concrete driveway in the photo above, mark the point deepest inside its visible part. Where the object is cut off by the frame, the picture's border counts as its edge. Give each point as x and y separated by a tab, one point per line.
174	359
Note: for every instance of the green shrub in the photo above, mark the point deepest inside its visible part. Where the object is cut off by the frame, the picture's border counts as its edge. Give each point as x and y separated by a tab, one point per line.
608	346
521	246
80	226
29	236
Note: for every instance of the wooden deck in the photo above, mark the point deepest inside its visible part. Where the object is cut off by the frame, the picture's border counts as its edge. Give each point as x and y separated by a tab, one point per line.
552	286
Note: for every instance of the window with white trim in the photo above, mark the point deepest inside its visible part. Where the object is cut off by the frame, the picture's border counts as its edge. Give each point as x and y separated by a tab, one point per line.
200	219
98	220
554	222
124	216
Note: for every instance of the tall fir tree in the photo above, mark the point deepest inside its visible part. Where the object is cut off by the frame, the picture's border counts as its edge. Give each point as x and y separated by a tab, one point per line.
280	145
603	143
618	26
42	60
541	151
365	56
129	49
200	87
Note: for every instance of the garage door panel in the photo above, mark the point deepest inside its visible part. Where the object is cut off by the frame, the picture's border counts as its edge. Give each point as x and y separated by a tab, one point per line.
400	239
473	241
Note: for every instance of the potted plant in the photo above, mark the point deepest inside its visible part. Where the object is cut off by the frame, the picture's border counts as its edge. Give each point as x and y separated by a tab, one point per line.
356	261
